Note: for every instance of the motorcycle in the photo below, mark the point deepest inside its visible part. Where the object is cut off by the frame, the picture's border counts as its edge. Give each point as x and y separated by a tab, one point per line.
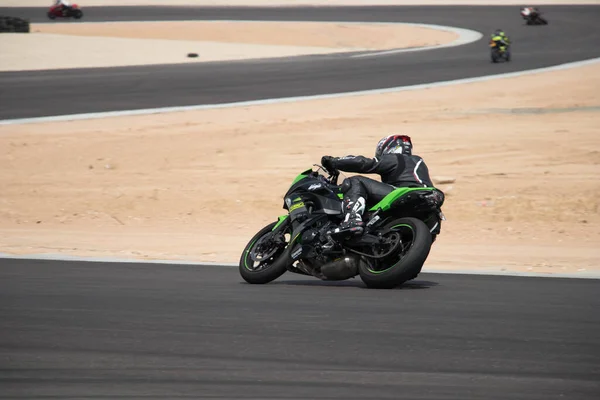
57	11
532	16
499	52
398	234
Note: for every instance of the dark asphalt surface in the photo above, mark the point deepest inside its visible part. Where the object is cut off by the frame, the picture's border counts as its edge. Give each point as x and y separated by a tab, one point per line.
571	36
97	330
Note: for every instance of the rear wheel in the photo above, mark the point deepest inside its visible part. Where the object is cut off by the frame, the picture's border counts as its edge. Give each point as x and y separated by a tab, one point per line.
411	240
261	260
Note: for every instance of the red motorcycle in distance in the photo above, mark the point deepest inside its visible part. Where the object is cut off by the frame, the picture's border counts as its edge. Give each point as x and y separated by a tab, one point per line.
61	12
533	16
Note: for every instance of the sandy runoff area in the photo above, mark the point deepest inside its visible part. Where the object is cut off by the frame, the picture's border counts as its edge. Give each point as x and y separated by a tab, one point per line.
144	43
524	153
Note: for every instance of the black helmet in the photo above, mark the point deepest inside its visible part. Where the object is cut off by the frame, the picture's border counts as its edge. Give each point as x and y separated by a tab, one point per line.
394	144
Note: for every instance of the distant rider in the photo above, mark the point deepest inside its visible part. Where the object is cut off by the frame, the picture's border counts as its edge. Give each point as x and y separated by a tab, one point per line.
64	5
527	12
501	39
396	165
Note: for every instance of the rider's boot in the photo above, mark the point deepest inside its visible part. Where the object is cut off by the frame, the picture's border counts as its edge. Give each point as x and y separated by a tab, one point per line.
353	223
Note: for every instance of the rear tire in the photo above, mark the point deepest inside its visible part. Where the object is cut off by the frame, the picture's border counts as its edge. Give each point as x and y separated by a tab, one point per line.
270	269
410	263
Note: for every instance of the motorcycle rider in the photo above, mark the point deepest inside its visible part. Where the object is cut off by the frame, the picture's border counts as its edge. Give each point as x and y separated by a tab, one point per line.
526	12
501	39
533	15
65	6
396	165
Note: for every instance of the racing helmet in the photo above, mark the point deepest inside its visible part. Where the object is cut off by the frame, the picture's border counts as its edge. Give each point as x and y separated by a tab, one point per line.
394	144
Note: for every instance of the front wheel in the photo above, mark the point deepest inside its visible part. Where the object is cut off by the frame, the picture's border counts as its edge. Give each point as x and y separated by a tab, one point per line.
51	15
411	240
77	14
494	56
261	260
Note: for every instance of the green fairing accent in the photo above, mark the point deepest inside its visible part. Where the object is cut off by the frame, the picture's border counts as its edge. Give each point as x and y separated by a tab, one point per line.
301	176
386	203
387	269
296	206
341	195
280	220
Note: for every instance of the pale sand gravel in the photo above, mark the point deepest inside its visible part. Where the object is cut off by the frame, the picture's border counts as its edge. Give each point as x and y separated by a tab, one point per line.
280	3
525	196
38	51
127	44
334	35
198	185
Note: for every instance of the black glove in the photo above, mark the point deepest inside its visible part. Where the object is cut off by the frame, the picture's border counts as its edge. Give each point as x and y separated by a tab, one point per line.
327	163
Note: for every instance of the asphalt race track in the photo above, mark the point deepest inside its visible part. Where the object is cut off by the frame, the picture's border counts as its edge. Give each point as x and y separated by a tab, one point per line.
73	330
572	35
76	330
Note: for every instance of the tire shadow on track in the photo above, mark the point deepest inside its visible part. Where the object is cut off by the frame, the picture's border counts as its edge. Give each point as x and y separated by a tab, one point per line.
355	283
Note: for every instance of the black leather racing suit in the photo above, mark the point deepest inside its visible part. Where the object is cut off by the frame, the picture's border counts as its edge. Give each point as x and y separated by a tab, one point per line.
396	170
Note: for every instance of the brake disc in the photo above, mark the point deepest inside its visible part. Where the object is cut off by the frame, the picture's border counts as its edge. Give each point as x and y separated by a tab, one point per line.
264	249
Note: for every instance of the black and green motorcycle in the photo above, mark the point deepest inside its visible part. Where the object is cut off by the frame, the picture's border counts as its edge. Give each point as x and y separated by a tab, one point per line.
399	232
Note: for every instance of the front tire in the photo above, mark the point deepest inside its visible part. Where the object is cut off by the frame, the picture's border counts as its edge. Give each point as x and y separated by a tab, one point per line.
77	14
51	15
404	264
268	248
494	56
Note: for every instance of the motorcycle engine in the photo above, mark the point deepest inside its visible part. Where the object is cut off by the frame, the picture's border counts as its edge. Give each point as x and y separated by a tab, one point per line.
321	261
315	239
314	242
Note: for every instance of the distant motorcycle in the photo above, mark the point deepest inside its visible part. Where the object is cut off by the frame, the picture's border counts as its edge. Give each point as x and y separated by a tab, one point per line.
533	16
499	52
60	12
